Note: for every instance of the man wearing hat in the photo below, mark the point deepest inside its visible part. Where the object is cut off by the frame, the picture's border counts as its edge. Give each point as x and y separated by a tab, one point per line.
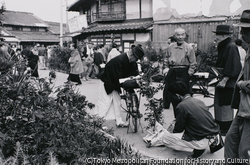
237	142
229	65
122	66
181	61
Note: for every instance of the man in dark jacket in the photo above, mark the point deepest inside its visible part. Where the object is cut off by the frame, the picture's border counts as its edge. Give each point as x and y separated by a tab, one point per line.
122	66
237	142
229	65
192	117
98	60
32	60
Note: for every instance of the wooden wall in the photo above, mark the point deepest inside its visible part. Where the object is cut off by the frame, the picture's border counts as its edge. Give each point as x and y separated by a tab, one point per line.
197	32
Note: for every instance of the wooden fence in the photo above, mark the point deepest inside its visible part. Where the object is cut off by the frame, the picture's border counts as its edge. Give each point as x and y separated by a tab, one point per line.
198	32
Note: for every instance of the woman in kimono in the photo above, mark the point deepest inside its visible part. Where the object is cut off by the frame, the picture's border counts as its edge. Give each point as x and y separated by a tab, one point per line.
76	66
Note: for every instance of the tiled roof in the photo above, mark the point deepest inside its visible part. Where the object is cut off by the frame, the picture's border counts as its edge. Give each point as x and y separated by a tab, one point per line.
36	36
129	26
22	19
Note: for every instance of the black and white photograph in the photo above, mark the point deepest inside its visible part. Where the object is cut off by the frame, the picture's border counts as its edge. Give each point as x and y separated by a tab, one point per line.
147	82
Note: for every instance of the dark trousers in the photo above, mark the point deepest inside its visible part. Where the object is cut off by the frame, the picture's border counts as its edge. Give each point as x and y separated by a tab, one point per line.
224	126
237	142
174	74
34	67
74	78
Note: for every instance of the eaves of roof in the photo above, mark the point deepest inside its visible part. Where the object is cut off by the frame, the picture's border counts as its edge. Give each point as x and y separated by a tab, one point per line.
115	27
36	36
84	4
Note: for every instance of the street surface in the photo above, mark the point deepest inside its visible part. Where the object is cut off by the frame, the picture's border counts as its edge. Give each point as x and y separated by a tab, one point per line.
90	90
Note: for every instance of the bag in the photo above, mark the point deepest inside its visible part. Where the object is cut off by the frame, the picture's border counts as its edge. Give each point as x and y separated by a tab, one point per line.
216	143
128	84
154	134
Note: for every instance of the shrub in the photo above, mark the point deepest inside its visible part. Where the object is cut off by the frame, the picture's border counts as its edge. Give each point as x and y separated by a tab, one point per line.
206	59
152	69
45	120
59	59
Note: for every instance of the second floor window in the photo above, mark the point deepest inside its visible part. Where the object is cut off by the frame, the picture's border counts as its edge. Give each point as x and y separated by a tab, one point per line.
17	28
107	10
110	1
34	29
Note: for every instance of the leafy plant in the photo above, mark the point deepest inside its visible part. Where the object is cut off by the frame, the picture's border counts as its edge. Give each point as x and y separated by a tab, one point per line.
46	120
59	59
154	107
207	59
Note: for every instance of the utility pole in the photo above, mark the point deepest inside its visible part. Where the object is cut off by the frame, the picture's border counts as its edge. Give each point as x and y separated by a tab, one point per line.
67	28
61	25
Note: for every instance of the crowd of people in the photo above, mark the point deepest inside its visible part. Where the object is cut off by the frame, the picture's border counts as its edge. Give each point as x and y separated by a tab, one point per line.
89	61
194	126
27	56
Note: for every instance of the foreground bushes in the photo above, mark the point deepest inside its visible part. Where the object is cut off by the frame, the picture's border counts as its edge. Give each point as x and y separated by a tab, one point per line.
45	120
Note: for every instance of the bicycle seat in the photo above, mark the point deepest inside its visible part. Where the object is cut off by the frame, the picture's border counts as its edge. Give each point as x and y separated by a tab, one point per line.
130	84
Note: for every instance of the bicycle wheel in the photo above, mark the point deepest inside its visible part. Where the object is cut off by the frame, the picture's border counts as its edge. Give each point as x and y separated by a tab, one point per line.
199	89
135	114
134	124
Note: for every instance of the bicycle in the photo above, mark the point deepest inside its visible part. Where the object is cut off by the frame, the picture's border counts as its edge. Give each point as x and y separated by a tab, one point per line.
200	83
132	103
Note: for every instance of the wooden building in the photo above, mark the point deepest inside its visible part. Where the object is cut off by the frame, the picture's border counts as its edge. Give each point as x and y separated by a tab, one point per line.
128	21
23	28
121	21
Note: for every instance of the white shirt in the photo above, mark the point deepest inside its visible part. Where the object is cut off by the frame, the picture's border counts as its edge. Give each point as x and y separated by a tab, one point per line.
113	53
243	54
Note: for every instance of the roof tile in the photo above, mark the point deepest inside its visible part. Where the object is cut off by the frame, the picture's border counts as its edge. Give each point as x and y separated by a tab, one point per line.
22	19
118	26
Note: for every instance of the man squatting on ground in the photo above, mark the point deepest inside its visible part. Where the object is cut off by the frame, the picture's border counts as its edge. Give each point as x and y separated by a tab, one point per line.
192	117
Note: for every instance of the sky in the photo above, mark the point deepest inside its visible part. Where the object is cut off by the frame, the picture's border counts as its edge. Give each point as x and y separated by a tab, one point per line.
47	10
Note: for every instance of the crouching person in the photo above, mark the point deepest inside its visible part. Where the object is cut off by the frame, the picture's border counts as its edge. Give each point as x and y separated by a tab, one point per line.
194	119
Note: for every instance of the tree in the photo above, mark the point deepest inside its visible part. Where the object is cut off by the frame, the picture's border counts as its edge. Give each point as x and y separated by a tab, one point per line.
2	9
